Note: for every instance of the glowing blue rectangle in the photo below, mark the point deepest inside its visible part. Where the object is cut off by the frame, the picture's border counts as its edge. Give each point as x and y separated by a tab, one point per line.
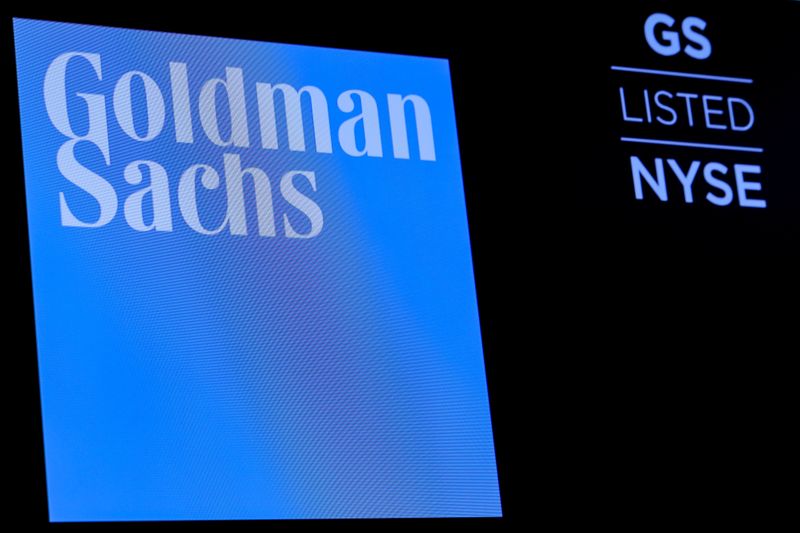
252	280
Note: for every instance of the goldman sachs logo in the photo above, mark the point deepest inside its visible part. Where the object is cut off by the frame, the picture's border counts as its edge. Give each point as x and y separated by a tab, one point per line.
221	104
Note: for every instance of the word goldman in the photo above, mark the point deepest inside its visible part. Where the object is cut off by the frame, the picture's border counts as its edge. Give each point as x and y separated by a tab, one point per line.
230	90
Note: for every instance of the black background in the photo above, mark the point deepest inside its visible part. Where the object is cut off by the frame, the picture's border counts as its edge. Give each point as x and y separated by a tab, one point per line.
638	353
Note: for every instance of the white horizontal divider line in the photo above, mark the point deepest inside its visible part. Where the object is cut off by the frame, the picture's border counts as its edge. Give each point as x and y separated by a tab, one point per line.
693	145
728	79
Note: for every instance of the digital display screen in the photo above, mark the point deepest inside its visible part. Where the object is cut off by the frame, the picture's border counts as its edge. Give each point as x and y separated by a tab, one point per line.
253	287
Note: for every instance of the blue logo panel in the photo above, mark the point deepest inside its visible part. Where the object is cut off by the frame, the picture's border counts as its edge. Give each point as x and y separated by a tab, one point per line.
252	280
